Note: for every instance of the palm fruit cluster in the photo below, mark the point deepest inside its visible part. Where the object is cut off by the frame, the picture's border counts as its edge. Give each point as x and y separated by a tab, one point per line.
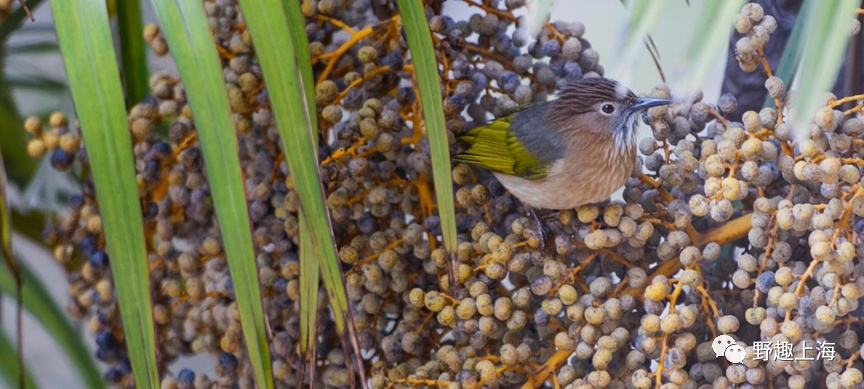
727	226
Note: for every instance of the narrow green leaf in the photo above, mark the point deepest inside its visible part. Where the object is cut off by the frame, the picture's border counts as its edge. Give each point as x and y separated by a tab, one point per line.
29	224
94	79
41	306
12	269
37	27
301	48
426	70
827	31
643	15
791	56
32	48
5	221
14	21
715	23
9	367
184	23
288	87
13	144
133	53
310	273
39	84
538	14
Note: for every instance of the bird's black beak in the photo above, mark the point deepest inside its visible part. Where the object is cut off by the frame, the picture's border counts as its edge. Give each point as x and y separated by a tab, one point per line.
643	103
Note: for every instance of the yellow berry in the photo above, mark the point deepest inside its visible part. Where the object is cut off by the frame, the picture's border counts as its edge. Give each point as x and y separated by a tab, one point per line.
596	240
367	54
587	213
58	119
151	31
36	148
447	316
826	119
466	309
809	149
656	291
484	305
70	142
731	188
564	341
568	295
742	24
434	301
751	148
714	166
51	139
33	125
94	224
612	214
670	323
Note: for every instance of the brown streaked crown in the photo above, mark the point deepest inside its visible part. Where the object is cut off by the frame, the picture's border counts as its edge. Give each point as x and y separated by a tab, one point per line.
582	96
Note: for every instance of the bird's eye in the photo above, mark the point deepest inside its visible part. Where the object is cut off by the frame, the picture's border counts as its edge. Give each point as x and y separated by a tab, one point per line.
608	109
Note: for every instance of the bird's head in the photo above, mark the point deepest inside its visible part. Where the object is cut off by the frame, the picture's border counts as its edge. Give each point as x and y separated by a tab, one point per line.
600	107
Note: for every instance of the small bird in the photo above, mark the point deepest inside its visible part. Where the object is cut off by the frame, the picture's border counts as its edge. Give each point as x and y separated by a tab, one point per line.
564	153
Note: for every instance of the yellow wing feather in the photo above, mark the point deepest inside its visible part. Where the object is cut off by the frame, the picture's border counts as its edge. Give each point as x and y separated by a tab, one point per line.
495	147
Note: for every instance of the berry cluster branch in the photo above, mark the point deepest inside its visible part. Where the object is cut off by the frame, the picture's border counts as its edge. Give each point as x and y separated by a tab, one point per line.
492	10
673	298
729	232
333	57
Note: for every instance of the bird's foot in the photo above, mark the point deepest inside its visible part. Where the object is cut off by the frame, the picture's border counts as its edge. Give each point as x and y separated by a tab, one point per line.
538	226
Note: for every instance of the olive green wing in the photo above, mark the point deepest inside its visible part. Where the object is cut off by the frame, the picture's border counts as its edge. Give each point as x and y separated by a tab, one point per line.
519	144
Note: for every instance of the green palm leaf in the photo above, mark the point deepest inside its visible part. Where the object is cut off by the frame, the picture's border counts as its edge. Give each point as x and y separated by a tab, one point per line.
426	70
9	367
827	30
538	14
185	26
791	56
643	15
286	64
310	273
715	23
133	53
94	79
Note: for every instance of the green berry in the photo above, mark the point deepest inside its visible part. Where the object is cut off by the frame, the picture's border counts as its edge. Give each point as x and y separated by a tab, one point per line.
367	54
824	314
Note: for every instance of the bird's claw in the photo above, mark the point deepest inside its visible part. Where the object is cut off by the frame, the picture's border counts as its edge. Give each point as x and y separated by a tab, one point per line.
538	226
541	234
